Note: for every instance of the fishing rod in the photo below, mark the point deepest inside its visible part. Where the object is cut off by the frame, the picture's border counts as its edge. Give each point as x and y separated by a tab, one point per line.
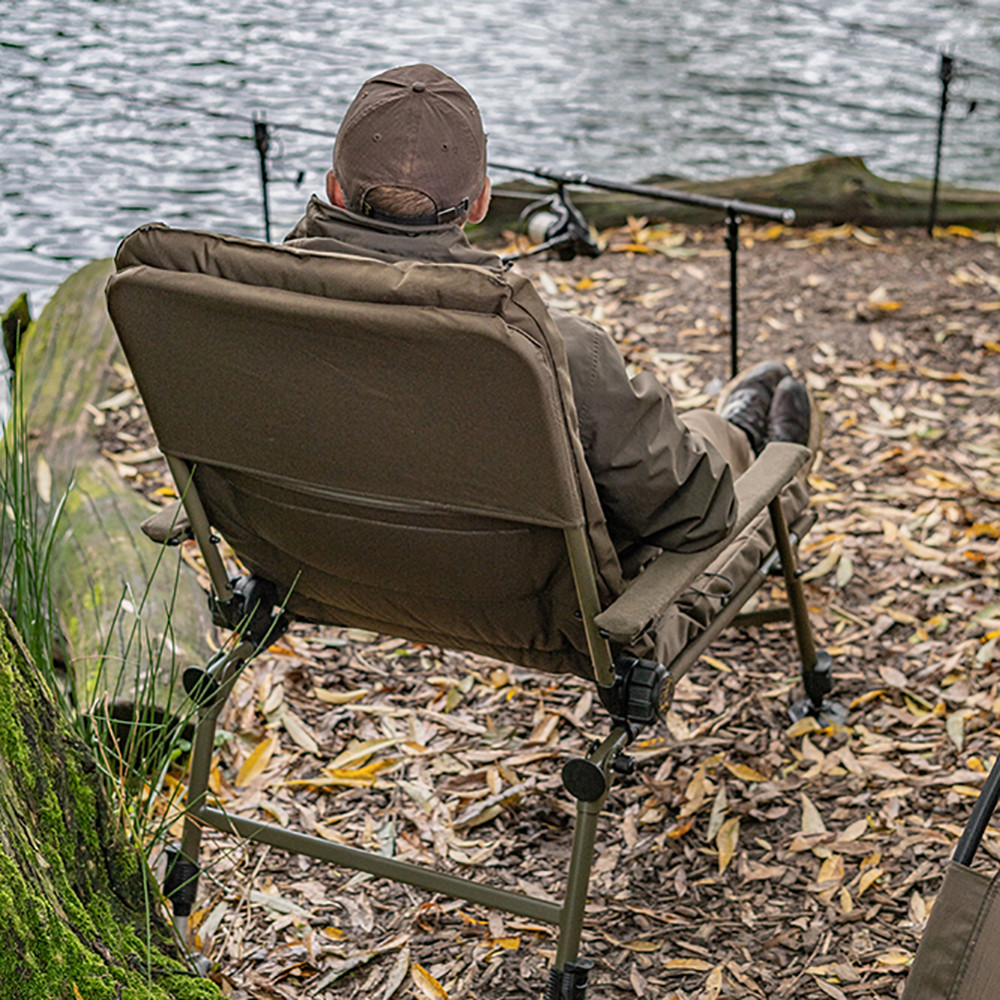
566	235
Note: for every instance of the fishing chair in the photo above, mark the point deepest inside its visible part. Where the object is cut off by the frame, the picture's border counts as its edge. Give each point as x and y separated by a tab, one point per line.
393	446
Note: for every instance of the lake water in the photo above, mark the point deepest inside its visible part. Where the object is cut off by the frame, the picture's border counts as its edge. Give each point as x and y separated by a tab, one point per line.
117	112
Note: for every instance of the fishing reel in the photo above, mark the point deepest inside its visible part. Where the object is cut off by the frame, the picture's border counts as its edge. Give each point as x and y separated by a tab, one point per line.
555	223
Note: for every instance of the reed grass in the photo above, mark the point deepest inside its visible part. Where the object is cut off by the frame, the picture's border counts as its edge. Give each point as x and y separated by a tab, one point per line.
133	740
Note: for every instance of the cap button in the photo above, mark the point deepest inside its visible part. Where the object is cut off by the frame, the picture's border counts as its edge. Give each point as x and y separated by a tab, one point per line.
419	87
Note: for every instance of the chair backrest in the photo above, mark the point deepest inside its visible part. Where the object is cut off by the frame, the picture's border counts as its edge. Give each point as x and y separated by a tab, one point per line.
394	443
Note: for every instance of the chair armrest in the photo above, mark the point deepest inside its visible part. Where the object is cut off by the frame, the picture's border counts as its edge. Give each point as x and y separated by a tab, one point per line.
168	526
670	573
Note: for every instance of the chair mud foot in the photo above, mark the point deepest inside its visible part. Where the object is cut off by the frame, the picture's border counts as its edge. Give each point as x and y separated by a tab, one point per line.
826	713
180	887
569	982
818	682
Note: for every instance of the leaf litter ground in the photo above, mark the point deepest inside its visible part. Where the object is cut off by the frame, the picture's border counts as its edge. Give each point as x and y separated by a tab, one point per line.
747	857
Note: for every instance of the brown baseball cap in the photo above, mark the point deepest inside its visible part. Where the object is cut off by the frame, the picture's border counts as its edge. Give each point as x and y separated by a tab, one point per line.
413	127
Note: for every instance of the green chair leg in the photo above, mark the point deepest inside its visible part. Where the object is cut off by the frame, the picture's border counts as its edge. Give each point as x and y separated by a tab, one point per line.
817	666
209	688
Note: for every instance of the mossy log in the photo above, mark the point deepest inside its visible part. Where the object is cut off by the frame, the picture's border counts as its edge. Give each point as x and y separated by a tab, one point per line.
834	189
130	612
80	920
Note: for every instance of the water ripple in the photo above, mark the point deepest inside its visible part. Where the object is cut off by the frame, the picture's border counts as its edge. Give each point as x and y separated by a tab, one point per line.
119	111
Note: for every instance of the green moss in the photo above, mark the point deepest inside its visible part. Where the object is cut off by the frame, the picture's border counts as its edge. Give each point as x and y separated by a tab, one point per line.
73	894
39	953
13	747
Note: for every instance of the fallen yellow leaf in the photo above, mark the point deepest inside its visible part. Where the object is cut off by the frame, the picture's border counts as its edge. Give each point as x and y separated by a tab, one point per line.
643	946
508	943
257	762
688	964
714	661
427	984
895	958
868	879
832	869
743	772
807	724
366	773
359	752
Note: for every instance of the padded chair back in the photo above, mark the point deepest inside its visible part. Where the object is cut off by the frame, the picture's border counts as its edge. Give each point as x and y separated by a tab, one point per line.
394	445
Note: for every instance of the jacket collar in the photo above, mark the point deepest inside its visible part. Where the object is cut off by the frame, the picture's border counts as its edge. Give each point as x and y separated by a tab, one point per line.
329	229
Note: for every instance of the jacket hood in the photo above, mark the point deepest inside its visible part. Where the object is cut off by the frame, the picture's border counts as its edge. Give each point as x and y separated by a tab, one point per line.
329	229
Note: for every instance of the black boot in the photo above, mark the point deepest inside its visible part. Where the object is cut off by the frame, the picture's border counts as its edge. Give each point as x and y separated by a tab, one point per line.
789	418
749	404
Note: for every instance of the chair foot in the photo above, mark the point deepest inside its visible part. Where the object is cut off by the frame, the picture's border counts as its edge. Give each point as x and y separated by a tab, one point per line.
569	982
826	713
817	679
200	965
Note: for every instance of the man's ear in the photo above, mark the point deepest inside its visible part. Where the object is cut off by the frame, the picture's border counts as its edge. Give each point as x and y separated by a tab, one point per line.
334	191
481	205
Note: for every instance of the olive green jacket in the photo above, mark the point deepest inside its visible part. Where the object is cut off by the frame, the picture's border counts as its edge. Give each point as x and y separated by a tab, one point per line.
659	482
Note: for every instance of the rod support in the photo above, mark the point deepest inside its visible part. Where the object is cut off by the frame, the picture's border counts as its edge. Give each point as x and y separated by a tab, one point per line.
946	70
262	140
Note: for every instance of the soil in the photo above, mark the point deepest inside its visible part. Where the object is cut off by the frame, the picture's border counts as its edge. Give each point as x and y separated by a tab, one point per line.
748	856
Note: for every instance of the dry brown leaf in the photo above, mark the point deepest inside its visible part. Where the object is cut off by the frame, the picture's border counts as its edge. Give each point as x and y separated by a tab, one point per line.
397	974
339	697
856	830
727	841
718	814
300	733
359	752
812	822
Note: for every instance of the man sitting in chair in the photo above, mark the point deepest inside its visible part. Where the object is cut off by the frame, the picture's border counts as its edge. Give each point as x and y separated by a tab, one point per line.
409	171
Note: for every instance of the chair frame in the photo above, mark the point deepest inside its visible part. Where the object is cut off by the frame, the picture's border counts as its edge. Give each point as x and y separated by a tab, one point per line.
588	780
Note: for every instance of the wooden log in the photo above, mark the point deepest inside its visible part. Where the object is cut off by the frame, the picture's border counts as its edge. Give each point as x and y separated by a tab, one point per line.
834	189
79	913
131	612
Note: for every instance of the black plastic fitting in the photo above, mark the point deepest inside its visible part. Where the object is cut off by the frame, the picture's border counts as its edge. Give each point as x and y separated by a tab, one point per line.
180	882
570	982
640	693
818	682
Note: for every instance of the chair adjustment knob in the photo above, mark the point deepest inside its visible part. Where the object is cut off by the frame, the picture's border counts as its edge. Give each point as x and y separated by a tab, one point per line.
640	694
